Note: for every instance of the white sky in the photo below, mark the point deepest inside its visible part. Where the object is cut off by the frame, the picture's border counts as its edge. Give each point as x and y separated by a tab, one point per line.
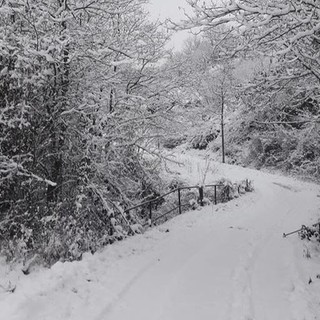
162	9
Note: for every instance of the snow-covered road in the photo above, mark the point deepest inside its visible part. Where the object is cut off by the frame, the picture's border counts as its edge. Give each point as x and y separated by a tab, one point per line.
232	263
225	262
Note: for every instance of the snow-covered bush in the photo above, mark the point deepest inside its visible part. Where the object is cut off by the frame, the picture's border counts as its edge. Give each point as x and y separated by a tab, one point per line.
305	156
310	233
173	142
228	190
175	183
201	140
267	140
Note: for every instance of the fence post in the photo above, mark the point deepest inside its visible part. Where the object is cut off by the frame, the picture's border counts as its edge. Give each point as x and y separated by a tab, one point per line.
215	194
201	196
179	199
150	214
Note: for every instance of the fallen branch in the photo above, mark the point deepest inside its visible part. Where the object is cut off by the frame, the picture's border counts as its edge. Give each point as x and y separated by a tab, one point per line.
302	227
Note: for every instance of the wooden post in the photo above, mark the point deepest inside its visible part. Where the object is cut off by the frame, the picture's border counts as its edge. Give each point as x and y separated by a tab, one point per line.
179	200
215	194
201	196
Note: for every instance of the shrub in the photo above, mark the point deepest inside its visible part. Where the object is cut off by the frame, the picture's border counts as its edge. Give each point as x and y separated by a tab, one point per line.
173	142
202	140
310	233
229	190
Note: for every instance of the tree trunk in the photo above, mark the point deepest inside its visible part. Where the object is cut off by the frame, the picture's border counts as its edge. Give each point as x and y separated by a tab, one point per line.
57	133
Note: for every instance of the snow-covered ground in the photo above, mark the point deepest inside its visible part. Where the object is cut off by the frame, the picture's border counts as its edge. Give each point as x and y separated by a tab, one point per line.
226	262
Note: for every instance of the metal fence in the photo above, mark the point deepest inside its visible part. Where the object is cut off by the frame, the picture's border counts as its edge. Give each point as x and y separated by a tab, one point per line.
151	205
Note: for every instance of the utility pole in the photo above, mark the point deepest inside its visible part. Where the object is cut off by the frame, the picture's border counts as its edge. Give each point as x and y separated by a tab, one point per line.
222	126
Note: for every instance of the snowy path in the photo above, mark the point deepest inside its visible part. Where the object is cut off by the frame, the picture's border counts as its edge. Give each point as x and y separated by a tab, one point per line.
236	266
227	267
227	262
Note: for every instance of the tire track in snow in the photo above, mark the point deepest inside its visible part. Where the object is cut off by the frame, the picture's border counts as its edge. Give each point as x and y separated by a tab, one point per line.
246	276
119	297
152	289
272	272
241	307
241	276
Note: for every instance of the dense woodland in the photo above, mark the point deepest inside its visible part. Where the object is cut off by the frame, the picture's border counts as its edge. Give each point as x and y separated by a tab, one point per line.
89	97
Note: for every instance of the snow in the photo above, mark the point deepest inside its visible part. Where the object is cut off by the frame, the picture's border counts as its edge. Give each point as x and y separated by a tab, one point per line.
227	261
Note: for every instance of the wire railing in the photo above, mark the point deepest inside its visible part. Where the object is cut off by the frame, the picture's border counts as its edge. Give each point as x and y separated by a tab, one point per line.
151	205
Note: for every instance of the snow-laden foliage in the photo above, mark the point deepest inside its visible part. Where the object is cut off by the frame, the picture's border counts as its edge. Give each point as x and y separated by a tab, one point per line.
310	233
286	32
277	121
83	96
276	136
